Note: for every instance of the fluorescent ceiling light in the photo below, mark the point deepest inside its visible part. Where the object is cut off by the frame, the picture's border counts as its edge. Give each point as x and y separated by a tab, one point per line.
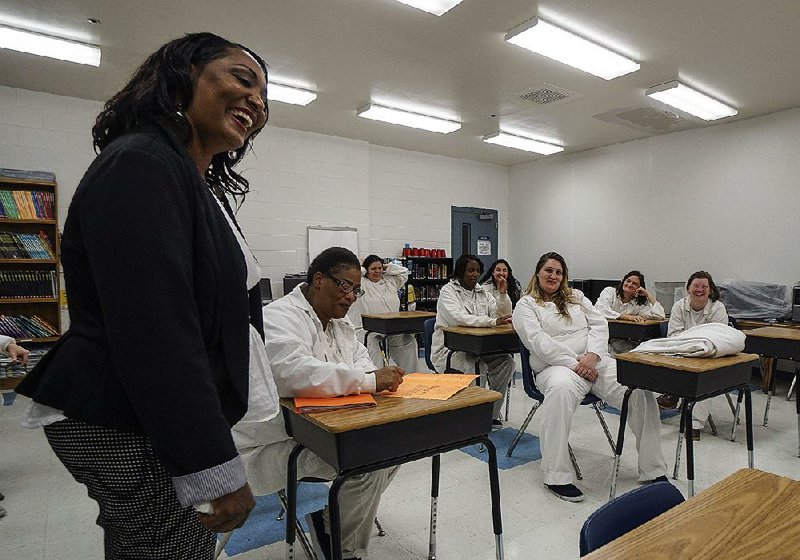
522	143
289	94
435	7
688	100
564	46
42	45
405	118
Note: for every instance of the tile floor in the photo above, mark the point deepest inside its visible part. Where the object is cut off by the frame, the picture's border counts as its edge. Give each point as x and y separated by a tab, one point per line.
51	518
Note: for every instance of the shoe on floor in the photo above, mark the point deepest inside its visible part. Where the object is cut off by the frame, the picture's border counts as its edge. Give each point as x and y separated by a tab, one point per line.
320	540
497	424
2	497
568	492
667	402
662	478
695	435
2	511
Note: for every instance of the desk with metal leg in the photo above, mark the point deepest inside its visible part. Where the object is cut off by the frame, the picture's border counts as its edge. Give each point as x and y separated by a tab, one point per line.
692	379
397	431
778	343
388	324
481	342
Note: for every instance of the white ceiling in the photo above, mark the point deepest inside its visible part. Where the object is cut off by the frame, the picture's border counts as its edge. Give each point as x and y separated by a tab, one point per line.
745	53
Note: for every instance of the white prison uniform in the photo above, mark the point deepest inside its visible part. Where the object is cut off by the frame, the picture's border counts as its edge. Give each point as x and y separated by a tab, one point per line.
612	307
382	297
555	344
459	307
683	317
310	361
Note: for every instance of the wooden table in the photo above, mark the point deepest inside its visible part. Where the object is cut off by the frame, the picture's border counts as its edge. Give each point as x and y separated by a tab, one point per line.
631	330
387	324
749	324
396	431
481	341
777	343
748	515
692	379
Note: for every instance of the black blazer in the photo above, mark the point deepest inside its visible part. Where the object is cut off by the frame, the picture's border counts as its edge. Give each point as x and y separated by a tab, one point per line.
158	340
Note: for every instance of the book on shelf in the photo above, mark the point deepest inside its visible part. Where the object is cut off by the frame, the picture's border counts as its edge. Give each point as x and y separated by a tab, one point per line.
8	173
21	326
16	245
26	205
19	284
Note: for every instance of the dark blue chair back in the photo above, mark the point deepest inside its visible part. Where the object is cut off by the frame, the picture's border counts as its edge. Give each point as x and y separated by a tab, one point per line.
430	324
732	322
626	512
664	326
529	381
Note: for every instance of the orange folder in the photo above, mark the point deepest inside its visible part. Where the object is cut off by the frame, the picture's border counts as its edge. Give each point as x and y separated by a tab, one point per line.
303	405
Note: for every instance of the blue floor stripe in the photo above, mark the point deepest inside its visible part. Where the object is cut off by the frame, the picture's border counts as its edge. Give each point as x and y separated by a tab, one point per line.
262	528
527	449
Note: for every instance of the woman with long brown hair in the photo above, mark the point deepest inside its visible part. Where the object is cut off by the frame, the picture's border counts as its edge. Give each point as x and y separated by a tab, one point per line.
568	338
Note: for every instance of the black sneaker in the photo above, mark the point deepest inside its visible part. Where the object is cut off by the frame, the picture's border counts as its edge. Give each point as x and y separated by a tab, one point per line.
568	492
320	540
662	478
497	424
2	511
695	435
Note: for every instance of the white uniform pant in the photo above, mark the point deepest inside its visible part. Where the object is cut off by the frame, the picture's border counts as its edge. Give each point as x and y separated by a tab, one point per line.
402	348
564	389
498	369
359	496
700	413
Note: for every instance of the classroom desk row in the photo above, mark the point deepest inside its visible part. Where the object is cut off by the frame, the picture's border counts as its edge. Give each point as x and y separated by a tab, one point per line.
401	430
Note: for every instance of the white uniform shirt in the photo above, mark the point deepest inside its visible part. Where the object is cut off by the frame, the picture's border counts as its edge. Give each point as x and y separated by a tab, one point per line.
309	361
555	340
459	307
683	316
379	297
611	306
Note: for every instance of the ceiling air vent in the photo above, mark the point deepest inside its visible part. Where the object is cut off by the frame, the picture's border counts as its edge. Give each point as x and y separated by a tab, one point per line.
648	119
546	94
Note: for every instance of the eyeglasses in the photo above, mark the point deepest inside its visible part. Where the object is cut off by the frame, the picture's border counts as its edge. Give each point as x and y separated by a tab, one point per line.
345	286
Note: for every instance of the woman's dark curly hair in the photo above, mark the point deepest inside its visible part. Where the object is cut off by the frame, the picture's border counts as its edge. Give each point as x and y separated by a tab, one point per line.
161	88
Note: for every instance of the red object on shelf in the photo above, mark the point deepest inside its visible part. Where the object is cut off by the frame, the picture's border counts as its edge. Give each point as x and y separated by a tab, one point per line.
406	251
414	252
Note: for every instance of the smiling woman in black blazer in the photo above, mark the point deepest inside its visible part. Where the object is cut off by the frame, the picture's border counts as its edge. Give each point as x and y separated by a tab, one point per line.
139	395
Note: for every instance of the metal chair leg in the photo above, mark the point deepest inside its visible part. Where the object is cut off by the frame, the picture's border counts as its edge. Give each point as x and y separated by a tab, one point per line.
733	409
522	429
712	425
771	389
508	398
381	532
575	466
791	387
300	534
736	415
680	443
605	427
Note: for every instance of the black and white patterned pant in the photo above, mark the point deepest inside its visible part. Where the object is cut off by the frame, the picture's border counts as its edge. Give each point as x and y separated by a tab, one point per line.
139	511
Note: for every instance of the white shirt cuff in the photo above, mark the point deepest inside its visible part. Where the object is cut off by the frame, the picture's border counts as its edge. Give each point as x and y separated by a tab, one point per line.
369	384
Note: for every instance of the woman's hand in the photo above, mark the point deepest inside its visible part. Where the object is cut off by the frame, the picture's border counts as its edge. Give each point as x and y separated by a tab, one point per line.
502	284
229	511
642	292
586	366
17	353
632	318
504	320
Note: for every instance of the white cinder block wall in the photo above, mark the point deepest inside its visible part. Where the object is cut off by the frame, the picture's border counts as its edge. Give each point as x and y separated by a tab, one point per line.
723	198
297	179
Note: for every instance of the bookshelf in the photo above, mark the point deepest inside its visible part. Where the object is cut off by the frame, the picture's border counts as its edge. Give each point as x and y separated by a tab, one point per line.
29	272
427	275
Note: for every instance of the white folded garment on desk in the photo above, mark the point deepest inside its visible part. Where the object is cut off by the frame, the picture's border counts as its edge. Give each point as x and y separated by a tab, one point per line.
711	340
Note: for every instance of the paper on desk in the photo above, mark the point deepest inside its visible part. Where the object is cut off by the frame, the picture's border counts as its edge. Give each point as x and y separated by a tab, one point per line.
434	386
303	405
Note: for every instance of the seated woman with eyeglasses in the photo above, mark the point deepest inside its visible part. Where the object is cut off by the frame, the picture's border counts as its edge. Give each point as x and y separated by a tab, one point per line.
313	352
